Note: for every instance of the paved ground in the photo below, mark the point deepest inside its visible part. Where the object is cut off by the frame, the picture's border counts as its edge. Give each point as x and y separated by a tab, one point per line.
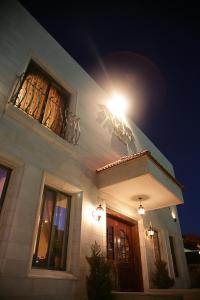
182	294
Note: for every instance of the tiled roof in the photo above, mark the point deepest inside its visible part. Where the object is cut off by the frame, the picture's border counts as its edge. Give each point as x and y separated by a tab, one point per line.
127	158
123	159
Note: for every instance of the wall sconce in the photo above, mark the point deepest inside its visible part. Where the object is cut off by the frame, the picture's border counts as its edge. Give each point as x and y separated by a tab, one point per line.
141	210
173	213
173	216
150	231
99	212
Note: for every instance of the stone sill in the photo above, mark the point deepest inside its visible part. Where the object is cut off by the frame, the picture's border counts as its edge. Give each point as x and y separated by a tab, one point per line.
41	273
31	124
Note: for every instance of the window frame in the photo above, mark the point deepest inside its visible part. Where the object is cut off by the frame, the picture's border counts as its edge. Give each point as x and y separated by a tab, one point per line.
158	241
66	93
72	131
67	228
74	238
172	246
5	186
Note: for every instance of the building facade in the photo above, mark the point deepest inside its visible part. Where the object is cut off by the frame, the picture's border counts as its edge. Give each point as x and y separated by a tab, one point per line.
72	173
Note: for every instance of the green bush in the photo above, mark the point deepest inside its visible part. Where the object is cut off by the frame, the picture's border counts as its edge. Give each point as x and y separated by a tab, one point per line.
160	277
98	281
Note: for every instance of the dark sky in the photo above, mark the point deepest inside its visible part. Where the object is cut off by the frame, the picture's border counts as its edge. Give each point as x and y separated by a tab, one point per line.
165	32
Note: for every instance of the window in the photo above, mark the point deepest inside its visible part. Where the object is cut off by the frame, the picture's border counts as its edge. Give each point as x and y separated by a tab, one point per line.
4	178
51	244
110	242
43	99
156	244
123	246
171	241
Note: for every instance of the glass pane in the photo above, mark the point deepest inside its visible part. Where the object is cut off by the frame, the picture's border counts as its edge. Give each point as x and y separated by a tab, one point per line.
51	246
3	174
156	243
124	249
40	258
32	94
171	240
54	115
58	246
4	177
110	242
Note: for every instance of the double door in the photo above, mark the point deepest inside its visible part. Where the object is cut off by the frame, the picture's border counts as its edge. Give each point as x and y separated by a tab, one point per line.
123	254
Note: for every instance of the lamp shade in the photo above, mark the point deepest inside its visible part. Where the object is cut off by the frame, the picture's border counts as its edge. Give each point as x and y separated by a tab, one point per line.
141	210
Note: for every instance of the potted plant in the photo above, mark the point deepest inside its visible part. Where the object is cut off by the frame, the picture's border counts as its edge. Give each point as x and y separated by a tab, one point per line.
160	277
98	280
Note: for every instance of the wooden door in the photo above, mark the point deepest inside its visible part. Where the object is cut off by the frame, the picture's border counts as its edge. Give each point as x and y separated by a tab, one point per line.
122	252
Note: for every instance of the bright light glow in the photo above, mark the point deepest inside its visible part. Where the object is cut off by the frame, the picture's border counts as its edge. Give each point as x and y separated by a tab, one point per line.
100	212
118	106
173	215
141	210
150	231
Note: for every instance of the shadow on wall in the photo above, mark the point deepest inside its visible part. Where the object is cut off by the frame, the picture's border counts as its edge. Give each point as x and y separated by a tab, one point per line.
122	146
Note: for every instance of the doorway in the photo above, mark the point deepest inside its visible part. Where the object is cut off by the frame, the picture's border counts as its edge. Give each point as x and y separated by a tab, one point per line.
123	252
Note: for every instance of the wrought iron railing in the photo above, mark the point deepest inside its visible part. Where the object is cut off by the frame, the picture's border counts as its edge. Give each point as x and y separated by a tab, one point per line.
34	101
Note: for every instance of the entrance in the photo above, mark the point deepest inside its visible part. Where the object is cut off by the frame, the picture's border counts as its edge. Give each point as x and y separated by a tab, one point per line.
123	252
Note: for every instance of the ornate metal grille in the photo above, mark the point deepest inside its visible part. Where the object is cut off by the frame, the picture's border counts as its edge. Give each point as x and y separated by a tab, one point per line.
123	247
40	97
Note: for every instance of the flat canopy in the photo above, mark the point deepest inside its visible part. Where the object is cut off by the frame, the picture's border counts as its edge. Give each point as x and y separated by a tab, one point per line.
140	177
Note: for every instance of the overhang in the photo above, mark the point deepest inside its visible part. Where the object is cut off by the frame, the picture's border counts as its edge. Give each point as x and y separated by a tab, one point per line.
140	177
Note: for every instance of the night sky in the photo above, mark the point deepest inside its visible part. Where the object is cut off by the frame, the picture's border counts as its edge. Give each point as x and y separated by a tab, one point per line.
163	34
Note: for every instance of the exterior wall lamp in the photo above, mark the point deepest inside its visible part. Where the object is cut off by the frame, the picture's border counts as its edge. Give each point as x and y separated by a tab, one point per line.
173	214
99	212
150	231
141	210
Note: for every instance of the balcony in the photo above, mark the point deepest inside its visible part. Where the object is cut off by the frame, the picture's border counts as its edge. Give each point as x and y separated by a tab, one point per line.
140	176
40	97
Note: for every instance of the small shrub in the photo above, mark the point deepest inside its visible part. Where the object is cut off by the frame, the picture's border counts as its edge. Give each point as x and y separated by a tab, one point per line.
98	281
160	277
